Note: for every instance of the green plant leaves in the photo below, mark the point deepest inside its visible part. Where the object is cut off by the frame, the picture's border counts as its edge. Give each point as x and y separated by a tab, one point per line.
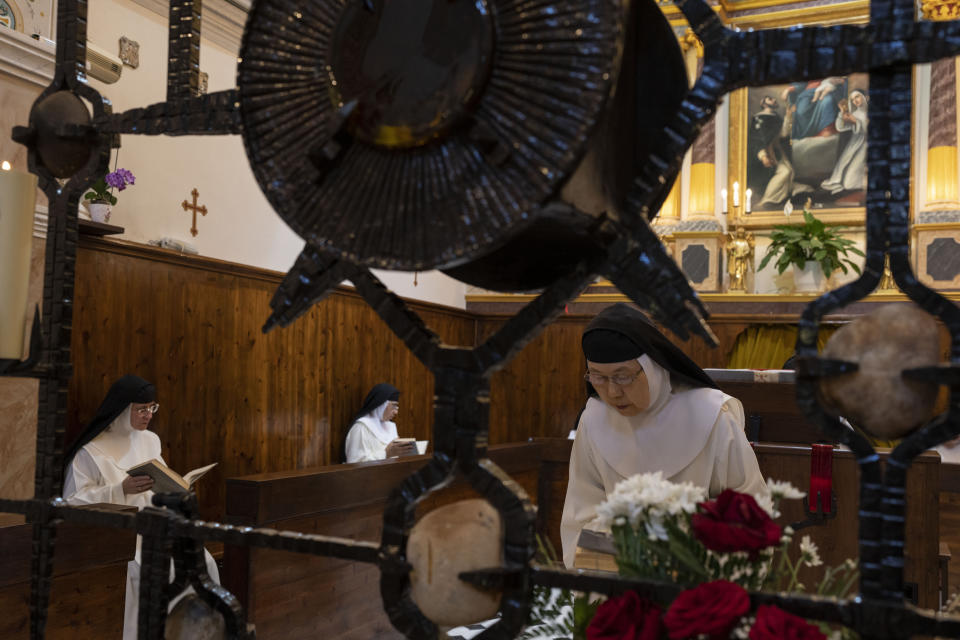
100	191
811	241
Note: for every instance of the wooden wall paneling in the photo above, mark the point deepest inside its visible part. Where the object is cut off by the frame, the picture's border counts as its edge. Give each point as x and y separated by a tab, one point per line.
229	393
541	391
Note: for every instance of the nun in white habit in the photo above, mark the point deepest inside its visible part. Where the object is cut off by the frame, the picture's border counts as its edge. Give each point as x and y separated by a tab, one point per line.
373	434
650	408
114	441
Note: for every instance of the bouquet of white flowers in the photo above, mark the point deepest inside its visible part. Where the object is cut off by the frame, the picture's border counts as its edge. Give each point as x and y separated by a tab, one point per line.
721	548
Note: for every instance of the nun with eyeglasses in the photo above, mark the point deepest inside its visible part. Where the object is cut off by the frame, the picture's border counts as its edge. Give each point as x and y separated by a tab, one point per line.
117	439
650	408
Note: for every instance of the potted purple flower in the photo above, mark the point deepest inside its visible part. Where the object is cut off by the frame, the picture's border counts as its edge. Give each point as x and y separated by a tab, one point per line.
100	197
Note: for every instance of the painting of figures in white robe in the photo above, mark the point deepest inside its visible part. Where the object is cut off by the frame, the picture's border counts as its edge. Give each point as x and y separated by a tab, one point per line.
808	141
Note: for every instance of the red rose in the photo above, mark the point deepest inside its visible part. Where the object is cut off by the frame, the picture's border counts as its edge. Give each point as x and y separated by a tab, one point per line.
626	617
774	623
734	522
713	608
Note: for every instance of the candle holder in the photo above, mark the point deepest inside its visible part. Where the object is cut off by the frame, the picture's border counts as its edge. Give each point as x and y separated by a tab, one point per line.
739	203
821	486
818	515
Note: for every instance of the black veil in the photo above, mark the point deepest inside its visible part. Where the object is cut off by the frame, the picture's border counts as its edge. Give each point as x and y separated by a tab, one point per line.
123	392
620	333
379	394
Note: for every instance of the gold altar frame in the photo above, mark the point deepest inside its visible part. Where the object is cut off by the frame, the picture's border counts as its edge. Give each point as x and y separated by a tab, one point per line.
737	172
769	14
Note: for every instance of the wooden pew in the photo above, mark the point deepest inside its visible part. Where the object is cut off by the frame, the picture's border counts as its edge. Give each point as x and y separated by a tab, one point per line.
89	581
950	519
769	405
837	538
297	596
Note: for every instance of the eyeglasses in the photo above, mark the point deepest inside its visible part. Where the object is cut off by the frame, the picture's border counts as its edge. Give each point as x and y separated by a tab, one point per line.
150	408
621	379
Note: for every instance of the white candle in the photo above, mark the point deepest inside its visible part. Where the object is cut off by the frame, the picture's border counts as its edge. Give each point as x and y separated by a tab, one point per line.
723	200
18	193
736	194
788	208
749	194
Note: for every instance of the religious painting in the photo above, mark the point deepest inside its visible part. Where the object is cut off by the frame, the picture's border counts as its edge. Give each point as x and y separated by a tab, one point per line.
803	143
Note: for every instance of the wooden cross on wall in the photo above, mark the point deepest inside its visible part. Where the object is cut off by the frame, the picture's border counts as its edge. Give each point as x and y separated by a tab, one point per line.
201	209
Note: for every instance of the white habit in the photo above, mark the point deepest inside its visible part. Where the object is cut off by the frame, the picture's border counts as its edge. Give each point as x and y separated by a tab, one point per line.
95	476
691	435
850	172
369	436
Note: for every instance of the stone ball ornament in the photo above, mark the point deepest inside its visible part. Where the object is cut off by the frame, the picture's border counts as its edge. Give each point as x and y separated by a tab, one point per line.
877	397
447	541
193	619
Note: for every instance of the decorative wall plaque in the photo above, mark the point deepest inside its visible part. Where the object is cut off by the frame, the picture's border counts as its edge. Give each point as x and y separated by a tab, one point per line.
129	52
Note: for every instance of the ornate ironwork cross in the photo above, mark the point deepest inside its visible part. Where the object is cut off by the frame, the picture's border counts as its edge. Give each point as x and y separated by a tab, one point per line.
202	209
504	163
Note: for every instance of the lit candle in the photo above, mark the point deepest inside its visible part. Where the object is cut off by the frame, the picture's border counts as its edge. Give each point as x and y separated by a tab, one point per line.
736	194
723	200
821	476
749	194
18	193
788	208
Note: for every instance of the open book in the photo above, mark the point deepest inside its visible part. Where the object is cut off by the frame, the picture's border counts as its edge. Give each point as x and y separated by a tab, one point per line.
596	551
165	479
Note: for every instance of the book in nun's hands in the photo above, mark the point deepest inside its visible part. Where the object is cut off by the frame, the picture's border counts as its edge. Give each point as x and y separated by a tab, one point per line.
595	551
165	479
597	541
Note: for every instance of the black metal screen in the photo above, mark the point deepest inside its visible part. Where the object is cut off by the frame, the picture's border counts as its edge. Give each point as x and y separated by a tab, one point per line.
486	169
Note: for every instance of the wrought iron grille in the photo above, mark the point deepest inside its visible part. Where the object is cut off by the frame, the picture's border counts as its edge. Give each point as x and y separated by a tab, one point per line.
68	148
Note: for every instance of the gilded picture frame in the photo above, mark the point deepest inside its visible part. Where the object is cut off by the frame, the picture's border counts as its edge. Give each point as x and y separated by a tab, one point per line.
802	143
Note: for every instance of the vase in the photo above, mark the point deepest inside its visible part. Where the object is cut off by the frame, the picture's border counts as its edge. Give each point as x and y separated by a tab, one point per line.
809	279
99	211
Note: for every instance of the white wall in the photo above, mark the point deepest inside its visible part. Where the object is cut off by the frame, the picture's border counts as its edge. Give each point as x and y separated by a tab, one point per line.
240	226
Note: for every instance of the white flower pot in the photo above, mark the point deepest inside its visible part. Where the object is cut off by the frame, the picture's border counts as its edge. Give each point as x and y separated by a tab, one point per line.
99	211
809	279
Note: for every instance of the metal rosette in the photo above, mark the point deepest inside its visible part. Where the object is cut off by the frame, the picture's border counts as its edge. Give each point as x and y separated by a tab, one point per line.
417	134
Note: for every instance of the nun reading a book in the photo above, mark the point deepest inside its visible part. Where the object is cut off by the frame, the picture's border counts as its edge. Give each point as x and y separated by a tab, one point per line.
650	408
373	433
115	441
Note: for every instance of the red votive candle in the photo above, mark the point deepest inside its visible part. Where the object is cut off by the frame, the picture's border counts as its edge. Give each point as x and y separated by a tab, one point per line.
821	476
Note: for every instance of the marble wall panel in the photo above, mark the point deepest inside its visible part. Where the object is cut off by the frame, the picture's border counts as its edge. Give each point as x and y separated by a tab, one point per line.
699	257
18	410
938	257
16	97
